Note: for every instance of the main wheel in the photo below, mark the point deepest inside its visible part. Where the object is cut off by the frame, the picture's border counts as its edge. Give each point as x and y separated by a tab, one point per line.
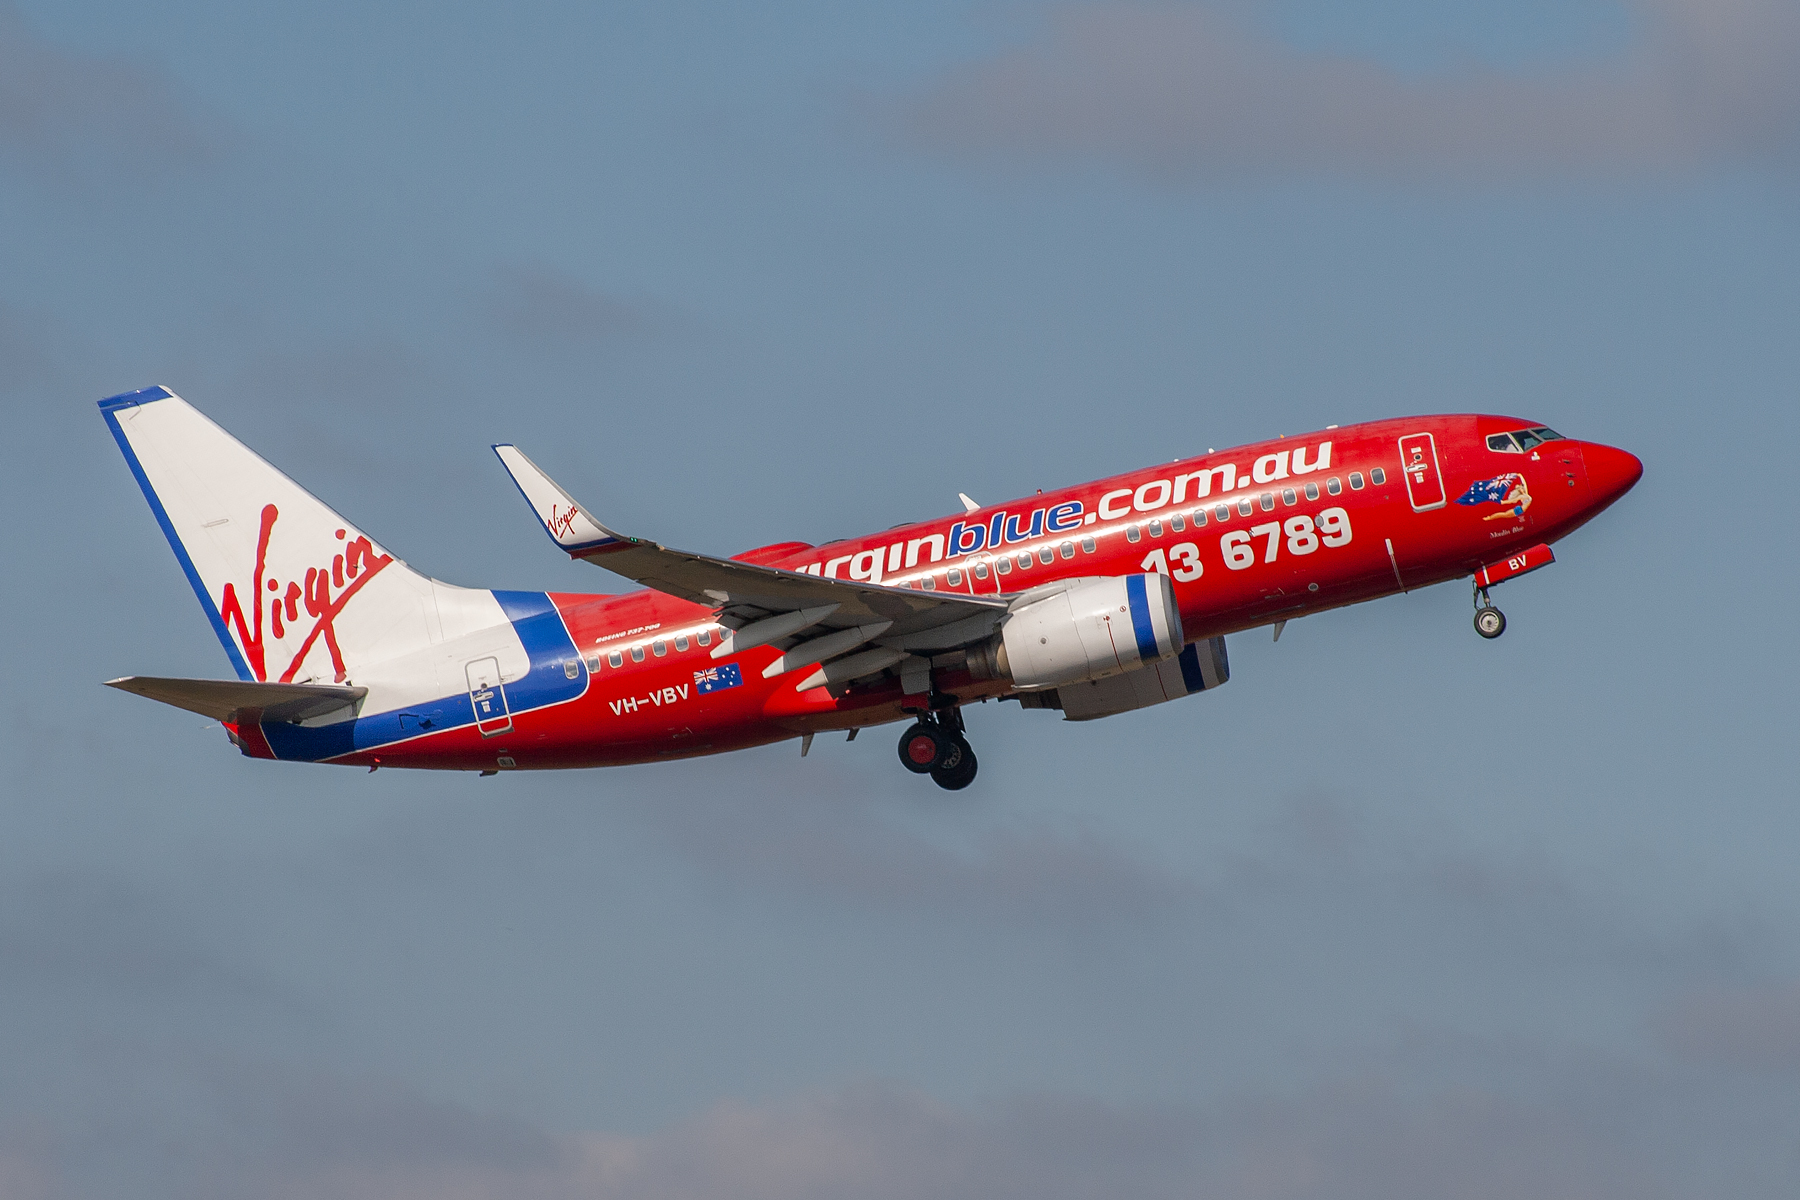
922	747
1490	622
958	774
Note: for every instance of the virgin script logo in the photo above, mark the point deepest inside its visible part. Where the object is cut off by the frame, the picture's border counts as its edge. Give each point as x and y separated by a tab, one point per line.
562	520
345	574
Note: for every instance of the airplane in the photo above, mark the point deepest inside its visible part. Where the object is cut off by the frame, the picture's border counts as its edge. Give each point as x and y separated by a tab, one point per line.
1092	600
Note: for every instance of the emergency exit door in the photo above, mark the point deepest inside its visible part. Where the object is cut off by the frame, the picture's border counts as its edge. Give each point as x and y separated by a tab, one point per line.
488	695
1419	463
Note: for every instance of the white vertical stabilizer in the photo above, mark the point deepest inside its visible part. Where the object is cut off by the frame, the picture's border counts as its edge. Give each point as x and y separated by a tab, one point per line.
295	592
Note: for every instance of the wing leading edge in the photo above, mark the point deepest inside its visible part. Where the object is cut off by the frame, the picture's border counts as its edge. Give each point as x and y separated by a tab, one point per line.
745	594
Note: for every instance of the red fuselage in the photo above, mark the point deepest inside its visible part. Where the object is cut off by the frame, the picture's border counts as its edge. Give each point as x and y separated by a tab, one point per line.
1248	536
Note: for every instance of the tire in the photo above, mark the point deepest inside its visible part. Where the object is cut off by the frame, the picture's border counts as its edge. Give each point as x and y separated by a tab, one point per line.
1490	622
927	742
960	773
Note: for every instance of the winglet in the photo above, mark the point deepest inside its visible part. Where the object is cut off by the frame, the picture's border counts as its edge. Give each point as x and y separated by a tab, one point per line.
567	523
968	504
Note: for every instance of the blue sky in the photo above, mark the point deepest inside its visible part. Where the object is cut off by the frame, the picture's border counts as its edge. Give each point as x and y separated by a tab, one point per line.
1397	913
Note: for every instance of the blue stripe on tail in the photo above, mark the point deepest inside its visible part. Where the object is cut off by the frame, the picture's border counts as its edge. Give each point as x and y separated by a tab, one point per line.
109	409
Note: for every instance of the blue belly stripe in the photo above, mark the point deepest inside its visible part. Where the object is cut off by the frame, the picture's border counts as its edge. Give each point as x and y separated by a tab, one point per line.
546	641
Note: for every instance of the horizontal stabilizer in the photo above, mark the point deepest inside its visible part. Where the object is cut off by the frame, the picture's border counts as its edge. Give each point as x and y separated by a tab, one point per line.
224	699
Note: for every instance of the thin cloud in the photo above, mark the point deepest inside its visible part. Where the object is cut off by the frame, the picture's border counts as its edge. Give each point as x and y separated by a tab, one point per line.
1754	1028
1548	1123
27	1170
836	843
1189	92
79	933
65	115
548	308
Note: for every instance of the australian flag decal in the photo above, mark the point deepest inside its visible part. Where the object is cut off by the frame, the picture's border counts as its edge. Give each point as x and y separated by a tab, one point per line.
717	679
1489	491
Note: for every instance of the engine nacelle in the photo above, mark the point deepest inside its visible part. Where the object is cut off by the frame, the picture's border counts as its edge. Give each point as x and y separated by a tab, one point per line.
1199	667
1090	629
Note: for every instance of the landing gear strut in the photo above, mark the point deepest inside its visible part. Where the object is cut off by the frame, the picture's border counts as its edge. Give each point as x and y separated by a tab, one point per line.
1490	622
935	746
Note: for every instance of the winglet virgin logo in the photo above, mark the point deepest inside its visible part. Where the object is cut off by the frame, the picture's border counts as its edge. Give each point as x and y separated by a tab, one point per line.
562	521
345	575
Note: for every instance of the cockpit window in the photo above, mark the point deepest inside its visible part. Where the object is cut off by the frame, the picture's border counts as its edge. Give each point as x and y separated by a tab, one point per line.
1521	440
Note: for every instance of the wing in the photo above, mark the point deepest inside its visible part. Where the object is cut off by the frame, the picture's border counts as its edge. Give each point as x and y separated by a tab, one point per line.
757	600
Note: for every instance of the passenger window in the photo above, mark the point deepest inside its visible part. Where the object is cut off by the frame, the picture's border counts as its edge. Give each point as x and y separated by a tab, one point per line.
1502	442
981	571
1356	481
1287	496
1246	506
1025	560
1067	549
1003	566
1312	491
1223	513
704	637
659	647
1177	523
615	659
593	663
1046	555
1087	545
571	668
1378	476
953	577
929	583
1133	533
1199	517
1155	526
637	654
1333	486
681	643
1267	500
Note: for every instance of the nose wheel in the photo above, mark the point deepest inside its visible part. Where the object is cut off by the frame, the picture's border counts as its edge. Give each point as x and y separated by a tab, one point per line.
935	746
1490	622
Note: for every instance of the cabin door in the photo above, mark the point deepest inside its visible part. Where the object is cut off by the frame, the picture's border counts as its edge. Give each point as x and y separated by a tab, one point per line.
1419	461
488	696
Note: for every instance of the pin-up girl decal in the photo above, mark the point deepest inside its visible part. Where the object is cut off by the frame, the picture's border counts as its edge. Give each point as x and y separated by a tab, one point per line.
1508	491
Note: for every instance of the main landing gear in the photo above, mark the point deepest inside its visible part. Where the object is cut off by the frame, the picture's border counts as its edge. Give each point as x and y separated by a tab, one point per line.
1490	622
935	745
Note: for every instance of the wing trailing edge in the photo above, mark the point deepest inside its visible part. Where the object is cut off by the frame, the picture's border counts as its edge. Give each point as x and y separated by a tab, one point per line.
743	593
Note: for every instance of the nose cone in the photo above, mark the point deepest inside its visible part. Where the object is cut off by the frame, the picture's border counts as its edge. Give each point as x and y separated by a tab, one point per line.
1611	471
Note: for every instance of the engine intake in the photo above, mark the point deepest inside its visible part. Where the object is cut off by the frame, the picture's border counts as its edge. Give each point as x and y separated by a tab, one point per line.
1091	629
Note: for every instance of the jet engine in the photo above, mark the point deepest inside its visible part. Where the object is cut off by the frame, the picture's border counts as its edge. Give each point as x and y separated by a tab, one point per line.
1200	666
1086	629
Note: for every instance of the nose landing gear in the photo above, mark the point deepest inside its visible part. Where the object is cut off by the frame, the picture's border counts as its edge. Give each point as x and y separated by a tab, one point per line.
1490	622
935	746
